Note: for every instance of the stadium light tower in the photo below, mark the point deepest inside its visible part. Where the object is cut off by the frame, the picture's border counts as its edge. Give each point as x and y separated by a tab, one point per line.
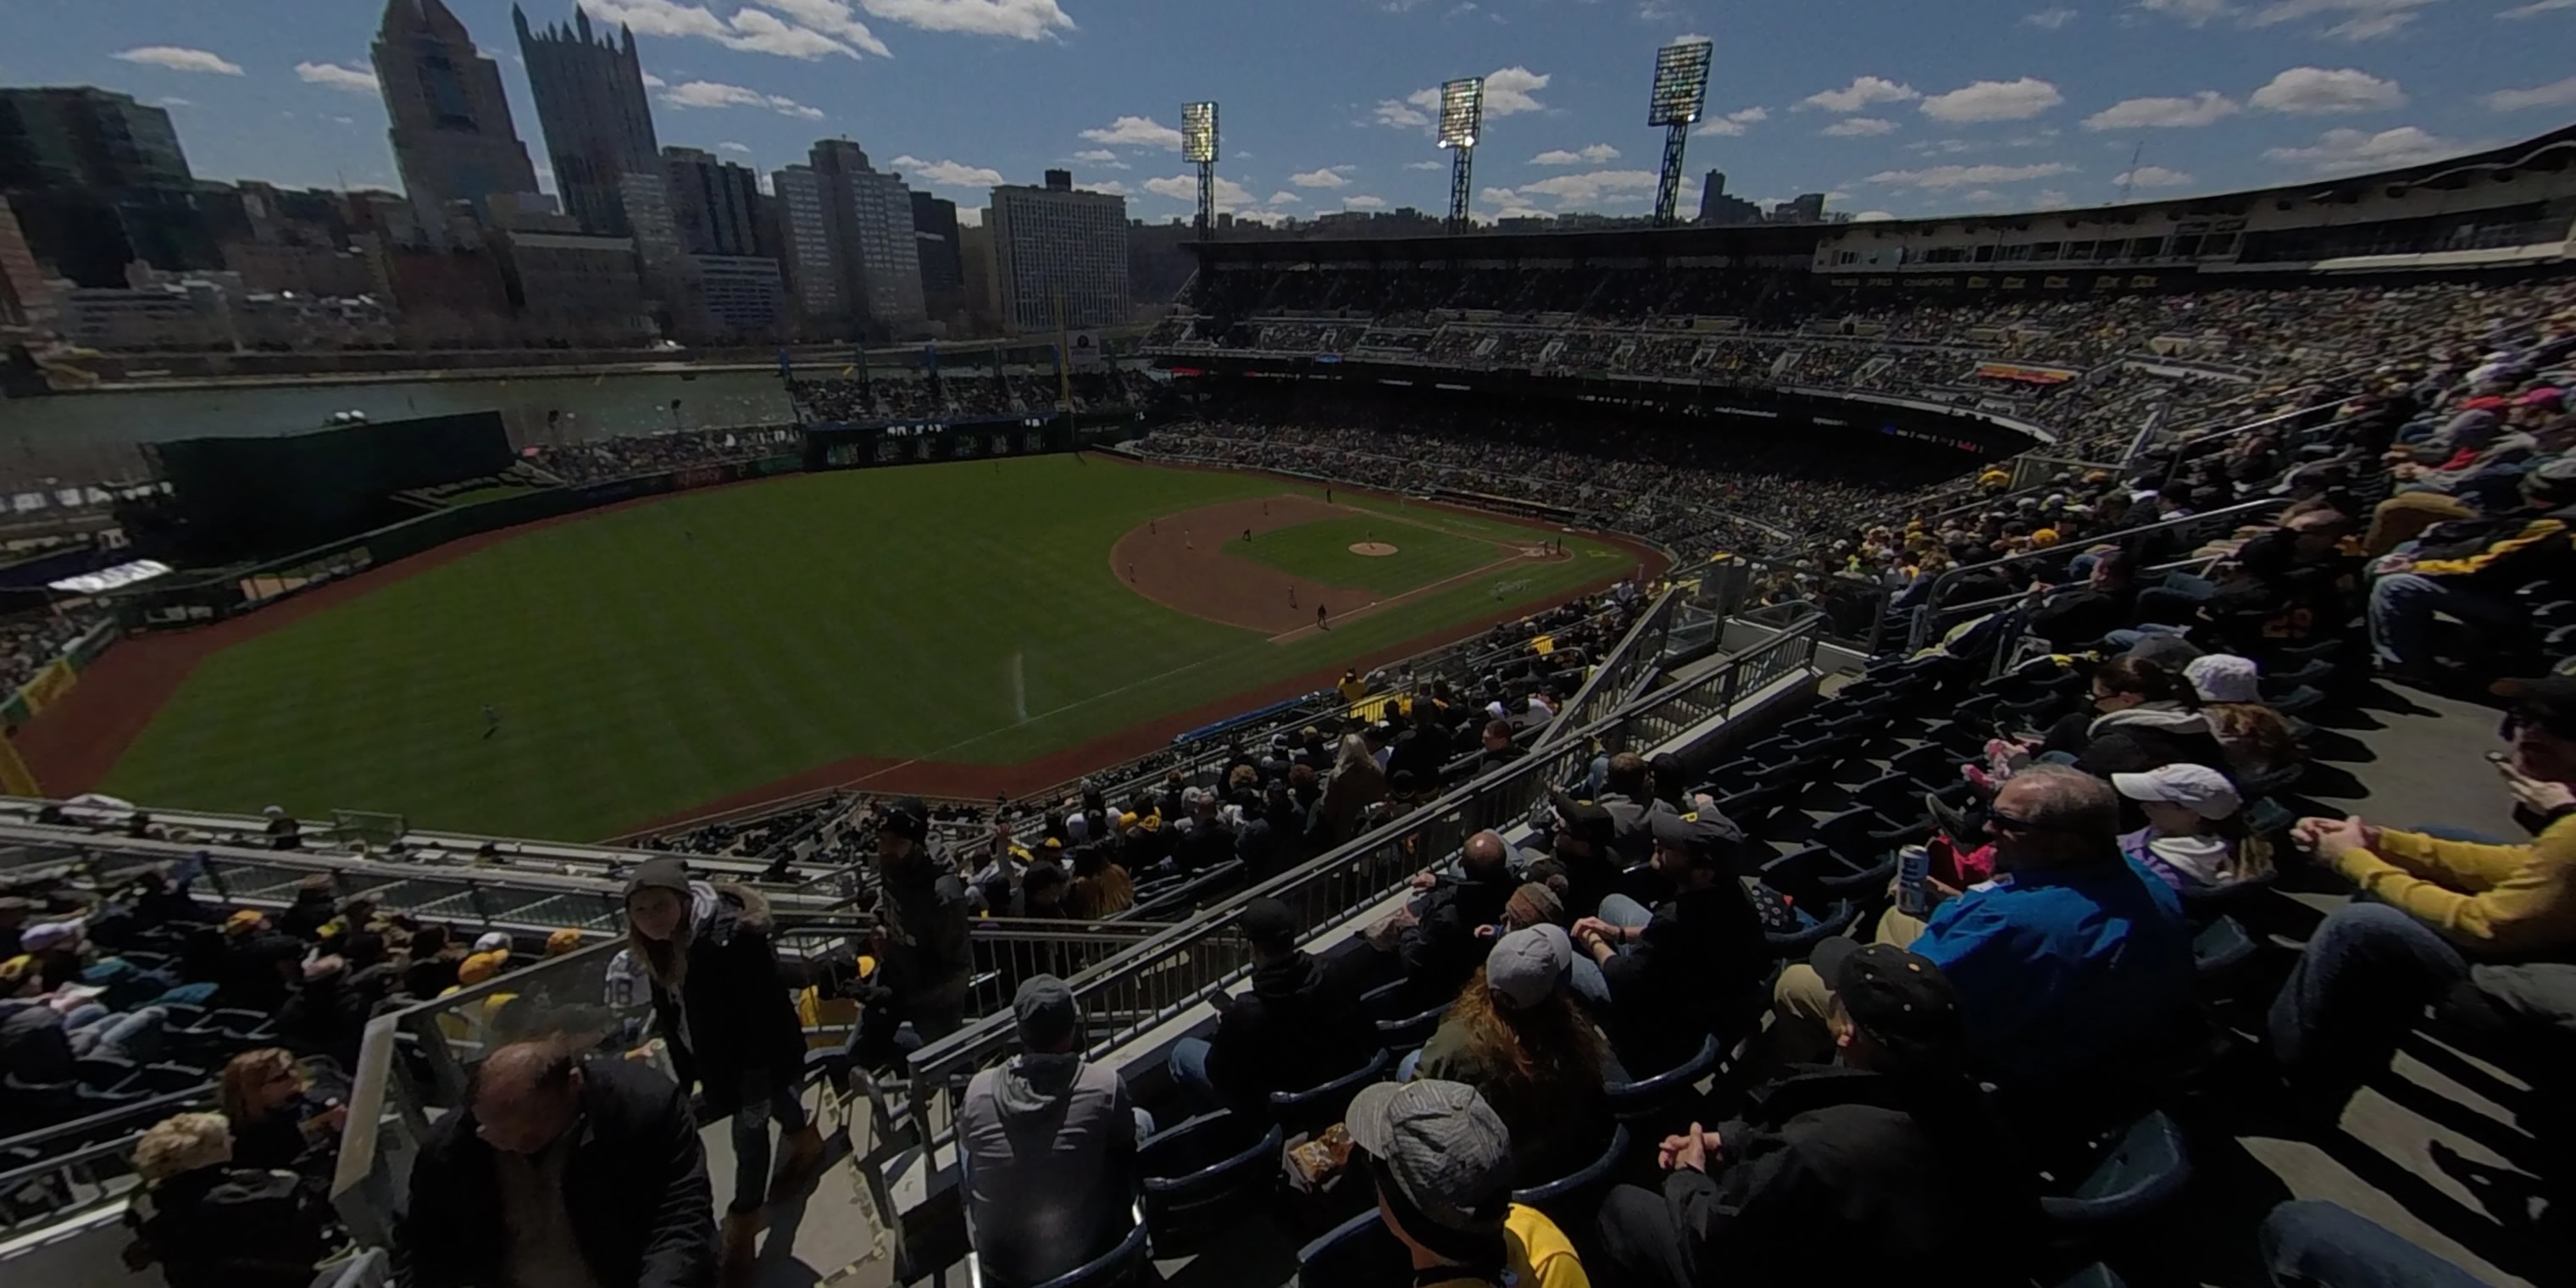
1198	145
1462	117
1681	88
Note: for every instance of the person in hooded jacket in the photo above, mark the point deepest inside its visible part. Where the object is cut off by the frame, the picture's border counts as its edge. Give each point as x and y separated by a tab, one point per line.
2144	716
213	1225
1048	1143
720	1005
925	959
1885	1164
1300	1026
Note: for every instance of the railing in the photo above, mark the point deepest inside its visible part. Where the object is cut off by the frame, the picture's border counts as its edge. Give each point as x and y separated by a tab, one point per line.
1855	612
2193	527
82	1164
1633	660
1156	981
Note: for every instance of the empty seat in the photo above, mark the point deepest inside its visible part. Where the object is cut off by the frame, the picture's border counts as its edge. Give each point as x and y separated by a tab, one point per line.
1647	1098
1316	1108
2137	1175
1204	1175
1359	1253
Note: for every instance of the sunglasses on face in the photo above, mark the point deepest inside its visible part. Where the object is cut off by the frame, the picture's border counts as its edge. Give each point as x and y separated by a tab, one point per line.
2003	822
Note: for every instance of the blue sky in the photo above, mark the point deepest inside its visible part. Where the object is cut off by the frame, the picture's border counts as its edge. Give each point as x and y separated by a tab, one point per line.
1903	106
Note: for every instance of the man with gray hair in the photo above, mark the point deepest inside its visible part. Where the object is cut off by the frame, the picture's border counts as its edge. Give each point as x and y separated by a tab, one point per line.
1049	1143
2071	958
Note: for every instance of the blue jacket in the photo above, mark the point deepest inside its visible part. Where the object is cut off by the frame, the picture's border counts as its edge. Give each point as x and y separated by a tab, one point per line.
2063	970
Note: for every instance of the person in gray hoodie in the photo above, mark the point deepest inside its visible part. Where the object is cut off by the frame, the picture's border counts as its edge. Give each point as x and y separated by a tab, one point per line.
1049	1146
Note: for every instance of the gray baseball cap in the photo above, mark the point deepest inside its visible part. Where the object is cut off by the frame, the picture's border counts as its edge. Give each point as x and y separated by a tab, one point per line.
1442	1146
1046	1012
1526	965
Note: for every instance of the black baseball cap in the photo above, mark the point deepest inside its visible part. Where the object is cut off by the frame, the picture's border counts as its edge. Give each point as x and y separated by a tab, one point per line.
1899	998
2548	701
1586	820
907	818
1267	920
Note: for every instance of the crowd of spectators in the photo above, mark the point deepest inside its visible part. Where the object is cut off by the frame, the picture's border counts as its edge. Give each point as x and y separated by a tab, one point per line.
960	393
30	642
597	460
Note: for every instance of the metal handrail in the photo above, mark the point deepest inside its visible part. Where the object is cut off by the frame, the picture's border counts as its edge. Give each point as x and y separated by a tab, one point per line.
1607	688
1933	605
1166	975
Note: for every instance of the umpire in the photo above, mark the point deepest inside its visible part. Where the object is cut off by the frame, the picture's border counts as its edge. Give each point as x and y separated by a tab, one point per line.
924	960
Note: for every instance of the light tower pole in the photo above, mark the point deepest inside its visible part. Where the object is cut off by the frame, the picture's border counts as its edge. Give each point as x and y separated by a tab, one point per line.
1462	117
1681	87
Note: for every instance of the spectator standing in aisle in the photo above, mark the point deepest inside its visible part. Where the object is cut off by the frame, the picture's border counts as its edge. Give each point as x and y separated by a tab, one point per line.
720	1005
1442	1163
1888	1161
925	960
561	1170
1049	1143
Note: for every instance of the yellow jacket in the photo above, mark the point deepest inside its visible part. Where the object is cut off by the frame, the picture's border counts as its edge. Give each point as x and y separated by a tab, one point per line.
2499	900
1536	1255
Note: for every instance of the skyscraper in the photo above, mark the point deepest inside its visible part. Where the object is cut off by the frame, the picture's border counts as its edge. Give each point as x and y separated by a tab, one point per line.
1056	241
1715	207
590	102
714	202
870	216
934	226
98	180
805	251
451	135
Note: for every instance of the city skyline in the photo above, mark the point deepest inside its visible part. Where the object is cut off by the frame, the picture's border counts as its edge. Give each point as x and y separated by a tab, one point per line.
1978	106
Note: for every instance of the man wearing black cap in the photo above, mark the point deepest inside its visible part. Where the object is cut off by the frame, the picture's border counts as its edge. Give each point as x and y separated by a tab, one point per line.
1049	1143
1300	1026
1884	1165
2435	907
1582	842
1441	1161
1670	974
924	961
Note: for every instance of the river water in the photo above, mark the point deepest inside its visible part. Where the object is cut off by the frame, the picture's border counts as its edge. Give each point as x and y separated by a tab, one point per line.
85	437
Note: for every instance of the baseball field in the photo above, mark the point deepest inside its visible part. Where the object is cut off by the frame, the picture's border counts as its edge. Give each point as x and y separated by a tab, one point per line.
955	629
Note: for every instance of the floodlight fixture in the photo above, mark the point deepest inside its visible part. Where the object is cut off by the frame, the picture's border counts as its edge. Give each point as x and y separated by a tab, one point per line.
1462	111
1681	83
1681	89
1198	132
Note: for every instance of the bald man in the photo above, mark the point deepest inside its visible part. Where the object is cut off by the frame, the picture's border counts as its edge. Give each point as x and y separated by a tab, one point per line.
562	1172
1440	948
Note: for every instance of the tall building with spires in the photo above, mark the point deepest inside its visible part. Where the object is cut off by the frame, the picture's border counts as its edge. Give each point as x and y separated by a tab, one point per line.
589	90
451	135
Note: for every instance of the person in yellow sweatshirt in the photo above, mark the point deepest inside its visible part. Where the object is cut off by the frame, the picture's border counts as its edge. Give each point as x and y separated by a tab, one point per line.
2433	908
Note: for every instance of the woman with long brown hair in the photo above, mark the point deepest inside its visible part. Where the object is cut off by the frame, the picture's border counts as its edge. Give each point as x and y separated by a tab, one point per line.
1516	1036
275	1119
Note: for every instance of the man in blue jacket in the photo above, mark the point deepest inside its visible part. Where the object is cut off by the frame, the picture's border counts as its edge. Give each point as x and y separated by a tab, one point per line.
2072	959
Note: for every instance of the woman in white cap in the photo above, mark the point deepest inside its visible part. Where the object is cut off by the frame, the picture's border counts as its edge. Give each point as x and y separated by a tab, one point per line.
1516	1035
2257	738
2195	837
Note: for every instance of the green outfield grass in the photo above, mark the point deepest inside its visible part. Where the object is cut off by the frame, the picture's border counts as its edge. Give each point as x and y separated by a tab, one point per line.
1321	551
652	659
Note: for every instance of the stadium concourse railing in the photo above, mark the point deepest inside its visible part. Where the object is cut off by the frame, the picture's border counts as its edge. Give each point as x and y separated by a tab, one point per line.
1179	968
1630	663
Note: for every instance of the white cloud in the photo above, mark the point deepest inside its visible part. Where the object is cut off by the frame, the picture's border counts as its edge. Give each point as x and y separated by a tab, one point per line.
2554	94
1969	176
1595	154
2197	13
1732	124
832	18
2537	8
1017	19
1395	113
355	80
2051	199
2361	19
1111	186
1100	156
944	173
173	100
2048	19
1860	127
2152	176
715	94
1872	217
2208	107
174	58
1328	177
2315	91
751	31
652	81
1185	188
1363	203
731	146
2013	100
1498	197
2345	151
1508	91
1863	91
1283	197
1426	165
1572	190
1694	38
1137	132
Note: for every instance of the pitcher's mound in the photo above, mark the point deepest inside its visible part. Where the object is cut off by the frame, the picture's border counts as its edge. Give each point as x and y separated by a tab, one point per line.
1372	549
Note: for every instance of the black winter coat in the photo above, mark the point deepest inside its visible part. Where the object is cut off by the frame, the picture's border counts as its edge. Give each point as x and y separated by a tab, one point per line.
636	1189
1892	1175
1440	950
232	1227
1301	1026
738	1017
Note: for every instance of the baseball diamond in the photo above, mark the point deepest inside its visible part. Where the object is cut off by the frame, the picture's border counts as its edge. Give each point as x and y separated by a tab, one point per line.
903	630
